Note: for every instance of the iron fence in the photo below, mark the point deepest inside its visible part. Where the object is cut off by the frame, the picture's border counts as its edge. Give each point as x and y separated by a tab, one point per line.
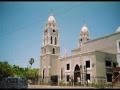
98	82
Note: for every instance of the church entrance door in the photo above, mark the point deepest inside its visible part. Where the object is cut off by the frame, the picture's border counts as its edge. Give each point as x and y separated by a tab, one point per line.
54	80
77	75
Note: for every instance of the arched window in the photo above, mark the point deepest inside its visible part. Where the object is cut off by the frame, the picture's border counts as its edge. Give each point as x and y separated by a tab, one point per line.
53	51
61	73
47	39
51	39
45	31
55	41
45	50
44	41
53	30
43	73
80	39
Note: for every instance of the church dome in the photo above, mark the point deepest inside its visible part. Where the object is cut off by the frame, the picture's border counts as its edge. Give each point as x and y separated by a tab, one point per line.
51	18
118	29
84	29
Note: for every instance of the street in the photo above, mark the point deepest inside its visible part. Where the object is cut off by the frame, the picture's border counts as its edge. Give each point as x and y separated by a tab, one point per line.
59	87
63	87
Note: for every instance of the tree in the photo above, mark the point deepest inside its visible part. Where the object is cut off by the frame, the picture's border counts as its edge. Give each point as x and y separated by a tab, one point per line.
5	69
31	61
32	74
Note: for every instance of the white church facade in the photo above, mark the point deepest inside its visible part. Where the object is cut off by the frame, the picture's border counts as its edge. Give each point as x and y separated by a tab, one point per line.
89	62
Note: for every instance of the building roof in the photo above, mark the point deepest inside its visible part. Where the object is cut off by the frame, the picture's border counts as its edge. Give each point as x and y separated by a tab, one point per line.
83	53
102	37
93	40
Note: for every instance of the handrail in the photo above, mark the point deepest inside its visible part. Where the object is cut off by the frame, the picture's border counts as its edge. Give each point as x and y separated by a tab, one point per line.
116	78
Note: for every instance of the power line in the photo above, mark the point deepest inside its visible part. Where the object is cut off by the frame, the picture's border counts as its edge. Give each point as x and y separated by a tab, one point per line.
68	10
59	14
23	28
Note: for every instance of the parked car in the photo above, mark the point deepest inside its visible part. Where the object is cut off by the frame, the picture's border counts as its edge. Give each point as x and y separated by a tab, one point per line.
14	82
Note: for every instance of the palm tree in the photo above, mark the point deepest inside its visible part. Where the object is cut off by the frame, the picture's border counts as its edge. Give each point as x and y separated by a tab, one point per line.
31	61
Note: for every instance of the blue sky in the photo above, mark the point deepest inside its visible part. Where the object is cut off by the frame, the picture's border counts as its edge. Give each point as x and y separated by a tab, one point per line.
22	25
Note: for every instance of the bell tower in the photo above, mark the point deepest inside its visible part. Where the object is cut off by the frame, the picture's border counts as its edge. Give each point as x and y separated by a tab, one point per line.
50	50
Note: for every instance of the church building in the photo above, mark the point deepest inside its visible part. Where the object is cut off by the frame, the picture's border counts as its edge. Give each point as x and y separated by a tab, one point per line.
90	62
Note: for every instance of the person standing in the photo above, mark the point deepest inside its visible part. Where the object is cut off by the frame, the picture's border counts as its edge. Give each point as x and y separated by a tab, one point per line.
78	79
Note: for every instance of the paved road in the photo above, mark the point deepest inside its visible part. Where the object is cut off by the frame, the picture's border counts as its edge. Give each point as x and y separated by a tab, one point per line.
48	86
62	87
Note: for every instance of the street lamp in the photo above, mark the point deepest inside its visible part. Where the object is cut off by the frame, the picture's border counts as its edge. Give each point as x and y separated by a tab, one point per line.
85	72
49	67
39	76
84	75
81	71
